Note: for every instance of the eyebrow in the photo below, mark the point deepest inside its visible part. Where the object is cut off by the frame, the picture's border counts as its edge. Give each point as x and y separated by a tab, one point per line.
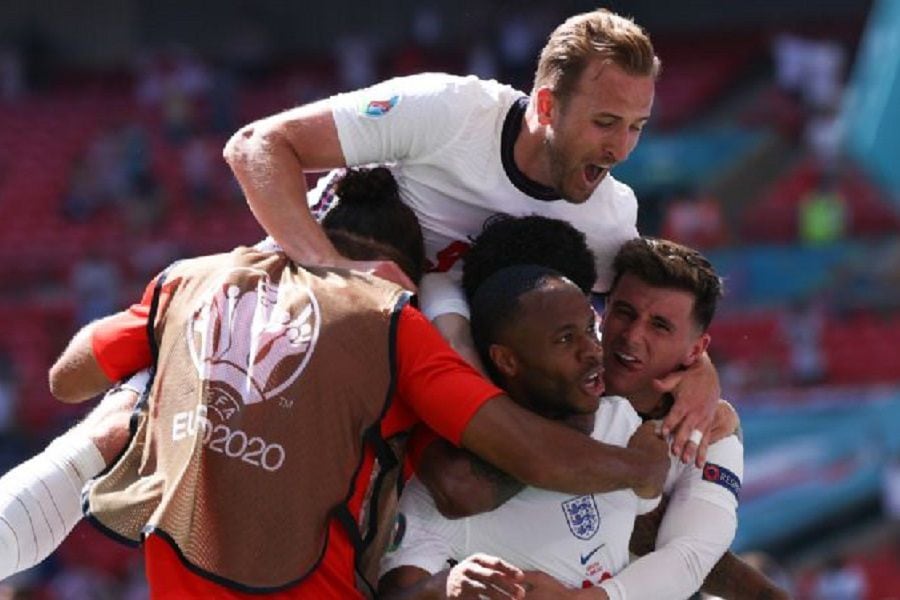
653	317
664	320
618	117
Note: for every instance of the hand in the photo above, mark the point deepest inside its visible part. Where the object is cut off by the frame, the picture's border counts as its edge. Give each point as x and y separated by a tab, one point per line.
725	422
647	440
482	576
539	585
696	390
108	425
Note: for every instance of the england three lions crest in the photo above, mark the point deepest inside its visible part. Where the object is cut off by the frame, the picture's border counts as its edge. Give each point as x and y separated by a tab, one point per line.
582	516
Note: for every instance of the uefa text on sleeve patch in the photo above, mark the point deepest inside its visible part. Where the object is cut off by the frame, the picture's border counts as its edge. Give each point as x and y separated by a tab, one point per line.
721	476
379	107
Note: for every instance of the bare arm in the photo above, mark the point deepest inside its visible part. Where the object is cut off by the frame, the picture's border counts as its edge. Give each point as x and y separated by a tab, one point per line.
269	158
735	579
76	375
545	454
461	483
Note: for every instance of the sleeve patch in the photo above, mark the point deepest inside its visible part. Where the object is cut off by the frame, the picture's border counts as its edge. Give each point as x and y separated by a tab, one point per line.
379	106
719	475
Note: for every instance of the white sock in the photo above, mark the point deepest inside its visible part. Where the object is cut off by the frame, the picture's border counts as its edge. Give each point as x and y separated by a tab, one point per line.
40	500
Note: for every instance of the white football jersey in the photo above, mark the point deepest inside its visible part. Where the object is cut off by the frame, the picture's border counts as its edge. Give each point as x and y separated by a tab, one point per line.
449	141
719	481
576	539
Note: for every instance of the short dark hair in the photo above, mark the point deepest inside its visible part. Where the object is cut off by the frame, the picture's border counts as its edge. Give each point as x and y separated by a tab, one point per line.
370	210
496	303
536	240
662	263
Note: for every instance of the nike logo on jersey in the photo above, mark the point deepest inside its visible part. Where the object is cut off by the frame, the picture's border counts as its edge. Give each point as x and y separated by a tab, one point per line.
586	557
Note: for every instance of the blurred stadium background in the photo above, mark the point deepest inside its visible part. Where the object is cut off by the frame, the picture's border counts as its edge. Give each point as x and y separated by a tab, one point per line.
773	147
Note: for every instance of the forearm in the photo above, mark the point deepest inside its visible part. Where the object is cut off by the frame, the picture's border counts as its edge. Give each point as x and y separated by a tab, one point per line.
76	375
734	579
462	484
692	537
40	500
270	171
545	454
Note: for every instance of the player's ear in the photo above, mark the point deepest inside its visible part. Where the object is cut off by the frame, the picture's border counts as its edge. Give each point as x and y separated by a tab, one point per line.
545	102
504	360
697	349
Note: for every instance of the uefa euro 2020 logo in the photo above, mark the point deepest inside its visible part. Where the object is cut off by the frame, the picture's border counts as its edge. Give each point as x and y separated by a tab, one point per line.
248	341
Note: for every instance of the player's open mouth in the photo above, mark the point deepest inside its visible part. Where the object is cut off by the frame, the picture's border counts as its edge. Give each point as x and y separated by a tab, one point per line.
626	360
593	174
592	384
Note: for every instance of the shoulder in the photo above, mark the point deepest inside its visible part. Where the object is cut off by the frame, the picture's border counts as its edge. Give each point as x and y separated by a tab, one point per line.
616	421
452	91
727	452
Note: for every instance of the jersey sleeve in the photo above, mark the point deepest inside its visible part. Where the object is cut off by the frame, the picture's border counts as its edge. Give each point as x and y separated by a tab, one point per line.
697	528
719	481
433	381
440	294
693	536
423	537
399	119
120	342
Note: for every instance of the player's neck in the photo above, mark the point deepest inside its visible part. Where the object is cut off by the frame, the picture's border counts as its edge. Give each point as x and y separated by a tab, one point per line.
528	152
581	422
651	404
578	421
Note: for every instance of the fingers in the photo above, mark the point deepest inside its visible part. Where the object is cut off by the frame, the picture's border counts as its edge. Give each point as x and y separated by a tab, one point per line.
701	451
499	565
483	576
488	583
669	382
688	437
674	419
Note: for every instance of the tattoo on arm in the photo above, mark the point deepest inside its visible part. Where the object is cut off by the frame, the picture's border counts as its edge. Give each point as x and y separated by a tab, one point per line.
504	486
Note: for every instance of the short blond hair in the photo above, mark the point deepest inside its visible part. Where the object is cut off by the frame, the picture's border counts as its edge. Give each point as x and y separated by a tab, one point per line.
596	34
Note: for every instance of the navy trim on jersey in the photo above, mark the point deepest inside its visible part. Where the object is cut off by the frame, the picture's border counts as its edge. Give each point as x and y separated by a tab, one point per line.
512	125
719	475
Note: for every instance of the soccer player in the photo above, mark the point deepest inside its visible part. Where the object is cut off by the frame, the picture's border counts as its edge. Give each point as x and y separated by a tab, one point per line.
464	149
276	415
659	310
537	332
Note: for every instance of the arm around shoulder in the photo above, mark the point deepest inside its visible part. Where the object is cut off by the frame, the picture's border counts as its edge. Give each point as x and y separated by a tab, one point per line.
545	454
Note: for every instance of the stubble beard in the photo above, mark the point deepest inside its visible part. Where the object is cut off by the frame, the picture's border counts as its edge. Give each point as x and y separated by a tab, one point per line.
557	163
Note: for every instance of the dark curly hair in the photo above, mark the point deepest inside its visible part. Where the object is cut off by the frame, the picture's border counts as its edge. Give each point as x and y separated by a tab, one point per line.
370	210
506	241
